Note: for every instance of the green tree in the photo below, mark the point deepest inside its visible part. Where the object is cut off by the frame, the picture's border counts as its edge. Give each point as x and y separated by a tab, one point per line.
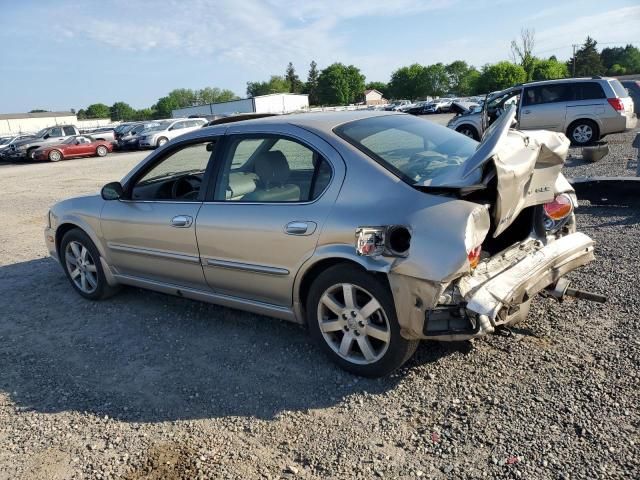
435	80
406	82
499	76
382	87
587	60
98	110
38	110
121	111
214	95
82	114
549	69
144	114
340	84
164	107
462	77
311	87
624	59
276	84
295	85
183	97
522	51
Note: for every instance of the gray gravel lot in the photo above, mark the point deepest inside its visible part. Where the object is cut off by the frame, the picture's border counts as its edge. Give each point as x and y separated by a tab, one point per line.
145	386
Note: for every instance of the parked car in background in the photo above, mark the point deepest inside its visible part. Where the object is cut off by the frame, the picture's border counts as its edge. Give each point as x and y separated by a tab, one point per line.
6	142
585	109
441	105
73	147
633	87
168	130
396	105
130	137
329	220
24	149
101	133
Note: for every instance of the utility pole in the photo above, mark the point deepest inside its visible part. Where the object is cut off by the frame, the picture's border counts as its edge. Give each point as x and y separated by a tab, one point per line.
573	74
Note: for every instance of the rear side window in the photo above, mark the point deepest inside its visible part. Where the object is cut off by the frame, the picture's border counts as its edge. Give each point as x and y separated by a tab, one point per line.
559	92
588	91
621	92
55	132
69	131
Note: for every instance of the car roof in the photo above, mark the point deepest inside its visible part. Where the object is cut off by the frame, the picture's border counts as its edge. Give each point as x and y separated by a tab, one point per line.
563	80
323	121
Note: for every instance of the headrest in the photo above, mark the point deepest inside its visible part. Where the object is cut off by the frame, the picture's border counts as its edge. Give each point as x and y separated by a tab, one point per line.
272	168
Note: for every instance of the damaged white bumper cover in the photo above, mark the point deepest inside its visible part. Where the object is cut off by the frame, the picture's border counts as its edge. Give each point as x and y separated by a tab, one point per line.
516	275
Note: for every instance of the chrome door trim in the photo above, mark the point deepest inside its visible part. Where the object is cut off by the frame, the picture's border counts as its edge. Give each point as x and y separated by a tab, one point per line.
152	252
253	306
246	267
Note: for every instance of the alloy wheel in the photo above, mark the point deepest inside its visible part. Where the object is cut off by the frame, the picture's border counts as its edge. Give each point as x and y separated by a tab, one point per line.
81	267
466	132
582	133
54	156
353	323
102	151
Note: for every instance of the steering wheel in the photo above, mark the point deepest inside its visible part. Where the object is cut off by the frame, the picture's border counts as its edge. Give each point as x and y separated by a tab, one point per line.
186	188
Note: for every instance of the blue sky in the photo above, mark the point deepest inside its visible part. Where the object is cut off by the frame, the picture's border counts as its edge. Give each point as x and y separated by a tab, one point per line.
70	53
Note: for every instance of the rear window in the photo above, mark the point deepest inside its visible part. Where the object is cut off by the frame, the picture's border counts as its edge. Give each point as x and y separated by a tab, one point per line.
621	92
588	91
412	148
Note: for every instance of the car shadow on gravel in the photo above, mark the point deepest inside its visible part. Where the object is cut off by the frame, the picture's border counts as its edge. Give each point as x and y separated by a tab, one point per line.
147	357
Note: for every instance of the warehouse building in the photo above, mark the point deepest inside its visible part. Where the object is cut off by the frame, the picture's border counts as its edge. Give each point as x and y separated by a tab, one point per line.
18	123
273	103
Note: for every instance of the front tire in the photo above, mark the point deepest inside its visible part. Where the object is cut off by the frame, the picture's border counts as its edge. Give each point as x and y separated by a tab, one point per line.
81	262
468	131
352	317
161	141
101	151
55	156
583	132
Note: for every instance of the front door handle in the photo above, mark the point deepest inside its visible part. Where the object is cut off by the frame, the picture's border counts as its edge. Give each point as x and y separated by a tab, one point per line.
300	228
181	221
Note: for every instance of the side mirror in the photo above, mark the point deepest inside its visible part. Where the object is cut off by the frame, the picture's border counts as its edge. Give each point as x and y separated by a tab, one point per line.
112	191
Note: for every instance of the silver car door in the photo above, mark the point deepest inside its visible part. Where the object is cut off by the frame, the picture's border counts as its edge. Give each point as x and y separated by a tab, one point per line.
544	107
151	233
265	219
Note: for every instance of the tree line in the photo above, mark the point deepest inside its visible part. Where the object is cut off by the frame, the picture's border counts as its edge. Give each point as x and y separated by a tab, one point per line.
340	84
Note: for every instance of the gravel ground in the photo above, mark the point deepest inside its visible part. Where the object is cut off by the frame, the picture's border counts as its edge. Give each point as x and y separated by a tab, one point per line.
146	386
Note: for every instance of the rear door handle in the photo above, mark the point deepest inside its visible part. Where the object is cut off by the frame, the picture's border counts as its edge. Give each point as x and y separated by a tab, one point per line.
300	228
181	221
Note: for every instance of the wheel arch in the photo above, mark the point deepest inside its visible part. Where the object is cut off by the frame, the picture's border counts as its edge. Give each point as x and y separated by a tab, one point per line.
69	224
310	272
471	127
583	118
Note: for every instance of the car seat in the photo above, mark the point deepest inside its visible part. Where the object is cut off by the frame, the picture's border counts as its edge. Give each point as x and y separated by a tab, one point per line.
273	172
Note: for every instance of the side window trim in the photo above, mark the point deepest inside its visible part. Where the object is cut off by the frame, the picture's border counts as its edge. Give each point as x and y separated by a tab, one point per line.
221	155
206	179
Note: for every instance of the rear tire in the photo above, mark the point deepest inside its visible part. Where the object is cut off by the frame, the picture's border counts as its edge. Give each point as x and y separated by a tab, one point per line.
55	155
351	316
102	151
80	260
583	132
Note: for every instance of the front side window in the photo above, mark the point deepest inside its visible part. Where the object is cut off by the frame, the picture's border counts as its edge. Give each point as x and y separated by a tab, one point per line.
272	169
411	148
178	177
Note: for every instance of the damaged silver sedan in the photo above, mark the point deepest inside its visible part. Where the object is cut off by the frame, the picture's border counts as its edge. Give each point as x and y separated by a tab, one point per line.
375	229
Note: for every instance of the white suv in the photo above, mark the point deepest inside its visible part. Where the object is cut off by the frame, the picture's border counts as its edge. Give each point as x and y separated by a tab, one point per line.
585	109
168	130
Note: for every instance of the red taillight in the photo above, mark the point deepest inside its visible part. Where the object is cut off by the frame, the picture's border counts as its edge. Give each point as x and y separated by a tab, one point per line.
559	208
616	103
474	256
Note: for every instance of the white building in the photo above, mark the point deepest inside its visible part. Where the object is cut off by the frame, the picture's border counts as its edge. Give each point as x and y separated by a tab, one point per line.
374	97
17	123
273	103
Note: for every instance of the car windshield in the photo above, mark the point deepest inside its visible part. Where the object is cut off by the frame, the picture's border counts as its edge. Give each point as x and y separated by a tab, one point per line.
70	140
412	148
4	141
42	132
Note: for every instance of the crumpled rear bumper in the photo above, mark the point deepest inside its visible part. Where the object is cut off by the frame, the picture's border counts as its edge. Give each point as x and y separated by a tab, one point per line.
509	279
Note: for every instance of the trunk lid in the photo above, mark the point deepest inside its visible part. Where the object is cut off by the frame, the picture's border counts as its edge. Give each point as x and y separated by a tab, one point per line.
527	168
